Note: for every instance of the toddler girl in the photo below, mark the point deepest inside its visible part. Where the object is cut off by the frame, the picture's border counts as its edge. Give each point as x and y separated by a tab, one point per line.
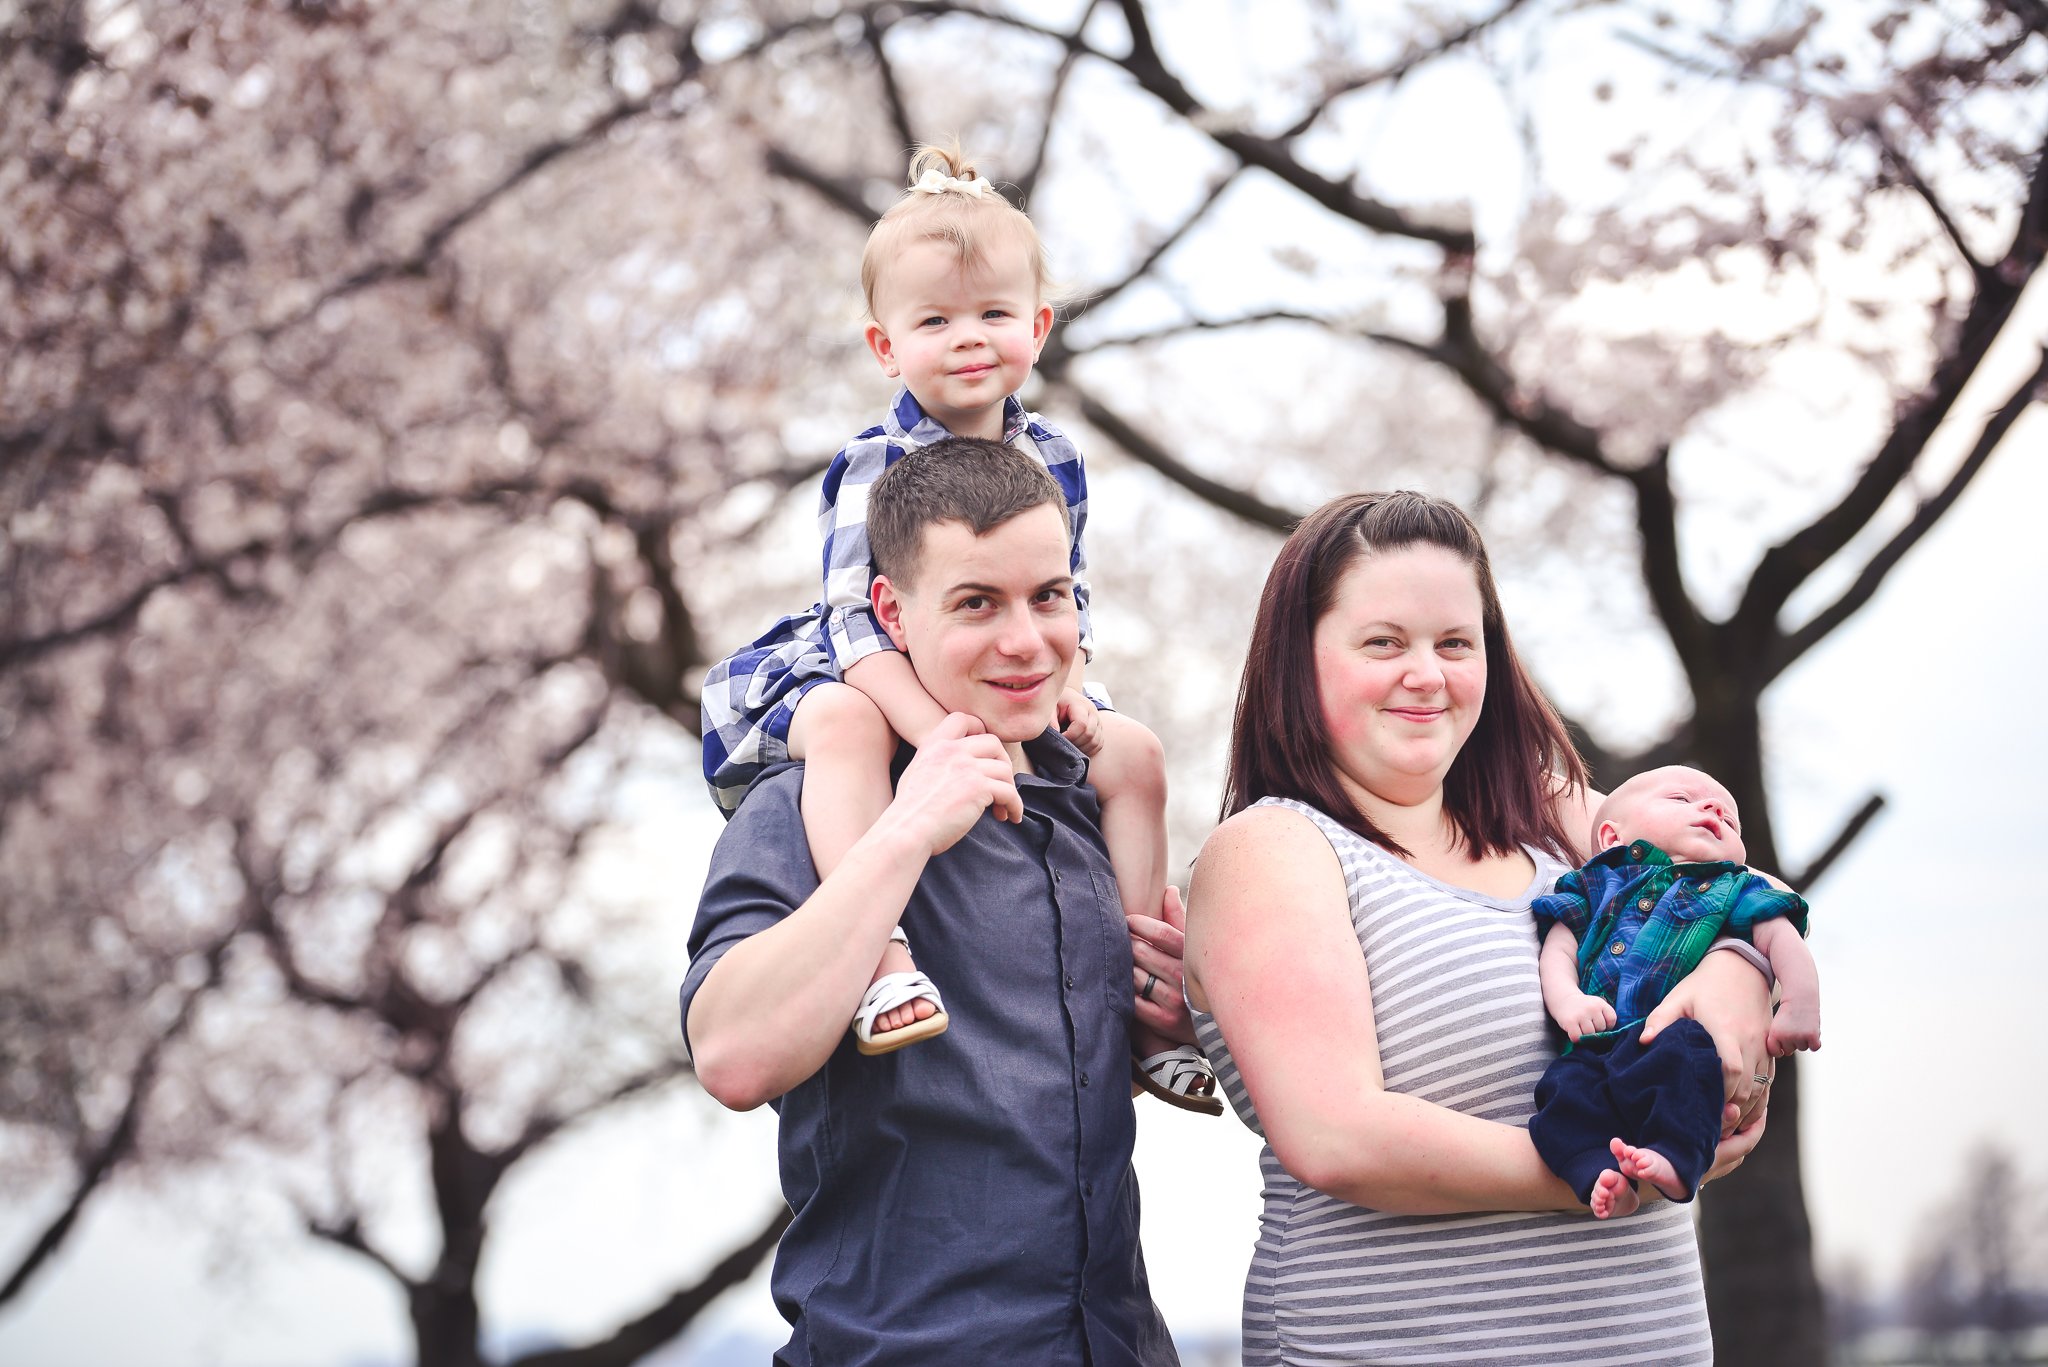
955	279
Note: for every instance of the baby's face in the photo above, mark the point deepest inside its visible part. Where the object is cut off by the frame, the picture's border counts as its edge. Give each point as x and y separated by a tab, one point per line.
1681	811
962	338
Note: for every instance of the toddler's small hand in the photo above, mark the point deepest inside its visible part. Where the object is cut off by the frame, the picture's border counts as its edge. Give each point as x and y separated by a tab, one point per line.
1081	721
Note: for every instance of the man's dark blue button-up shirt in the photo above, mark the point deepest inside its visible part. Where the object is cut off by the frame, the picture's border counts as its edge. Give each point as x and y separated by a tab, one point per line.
968	1199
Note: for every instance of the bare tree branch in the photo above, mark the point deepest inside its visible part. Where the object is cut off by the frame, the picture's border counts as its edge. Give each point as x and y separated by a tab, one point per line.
843	193
119	1141
1027	184
1518	406
1145	451
1192	325
1098	297
642	1336
541	1128
349	1234
1271	154
1786	566
872	33
1911	175
1839	846
2031	390
302	547
1410	61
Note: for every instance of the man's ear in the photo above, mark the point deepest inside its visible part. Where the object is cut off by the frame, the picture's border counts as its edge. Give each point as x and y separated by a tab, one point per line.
888	606
1041	328
885	352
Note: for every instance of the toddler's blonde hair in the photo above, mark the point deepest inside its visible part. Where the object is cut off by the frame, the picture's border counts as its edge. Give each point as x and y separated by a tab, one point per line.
968	223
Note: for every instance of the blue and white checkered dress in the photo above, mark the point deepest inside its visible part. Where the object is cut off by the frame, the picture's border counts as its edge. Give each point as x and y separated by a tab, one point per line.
750	696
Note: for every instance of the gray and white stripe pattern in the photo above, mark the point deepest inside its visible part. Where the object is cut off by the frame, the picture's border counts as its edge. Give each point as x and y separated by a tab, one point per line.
1461	1024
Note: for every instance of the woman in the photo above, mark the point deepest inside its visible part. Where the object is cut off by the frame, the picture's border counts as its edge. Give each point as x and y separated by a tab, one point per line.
1358	926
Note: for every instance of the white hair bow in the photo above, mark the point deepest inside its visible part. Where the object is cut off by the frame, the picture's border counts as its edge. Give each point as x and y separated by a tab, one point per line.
937	182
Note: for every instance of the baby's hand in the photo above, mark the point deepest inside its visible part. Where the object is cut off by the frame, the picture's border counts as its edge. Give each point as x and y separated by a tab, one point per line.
1080	721
1587	1016
1795	1026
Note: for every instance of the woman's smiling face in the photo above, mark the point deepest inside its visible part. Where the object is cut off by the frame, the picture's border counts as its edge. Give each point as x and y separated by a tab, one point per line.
1401	670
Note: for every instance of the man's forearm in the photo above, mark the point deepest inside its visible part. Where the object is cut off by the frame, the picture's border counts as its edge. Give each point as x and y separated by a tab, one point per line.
776	1005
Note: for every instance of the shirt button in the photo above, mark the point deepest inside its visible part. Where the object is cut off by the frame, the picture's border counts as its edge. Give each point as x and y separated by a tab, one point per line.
1084	1079
1645	903
1055	875
1617	949
1087	1188
1070	982
1703	885
1636	851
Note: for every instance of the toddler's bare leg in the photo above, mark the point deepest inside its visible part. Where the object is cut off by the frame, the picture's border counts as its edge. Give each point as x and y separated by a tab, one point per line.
846	746
1129	776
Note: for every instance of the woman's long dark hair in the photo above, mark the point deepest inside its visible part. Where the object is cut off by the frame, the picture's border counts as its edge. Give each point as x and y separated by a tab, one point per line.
1501	790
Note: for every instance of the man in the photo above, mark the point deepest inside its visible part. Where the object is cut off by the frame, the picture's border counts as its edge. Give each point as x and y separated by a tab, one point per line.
970	1200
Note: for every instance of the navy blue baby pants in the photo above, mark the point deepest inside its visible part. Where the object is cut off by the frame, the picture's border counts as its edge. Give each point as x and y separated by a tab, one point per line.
1666	1095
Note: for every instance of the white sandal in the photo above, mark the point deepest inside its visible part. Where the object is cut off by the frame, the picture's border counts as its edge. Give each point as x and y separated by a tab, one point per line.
888	992
1181	1077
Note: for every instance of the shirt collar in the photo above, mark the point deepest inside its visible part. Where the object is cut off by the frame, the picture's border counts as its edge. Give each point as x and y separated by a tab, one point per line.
911	422
1642	854
1054	759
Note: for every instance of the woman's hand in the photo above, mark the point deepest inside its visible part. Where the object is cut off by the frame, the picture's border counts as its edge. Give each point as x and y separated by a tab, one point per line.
1736	1146
1157	944
1728	997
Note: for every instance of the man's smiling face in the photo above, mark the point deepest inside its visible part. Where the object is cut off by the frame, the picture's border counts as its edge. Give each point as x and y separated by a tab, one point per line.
989	621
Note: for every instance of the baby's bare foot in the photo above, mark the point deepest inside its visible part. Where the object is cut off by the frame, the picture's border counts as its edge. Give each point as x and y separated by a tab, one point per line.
1614	1196
896	959
1647	1165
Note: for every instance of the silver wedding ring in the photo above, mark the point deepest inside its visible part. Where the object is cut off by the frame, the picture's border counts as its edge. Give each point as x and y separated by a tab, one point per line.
1762	1080
1151	981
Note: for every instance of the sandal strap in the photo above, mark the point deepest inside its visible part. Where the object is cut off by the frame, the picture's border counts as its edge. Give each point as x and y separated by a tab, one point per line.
888	992
1180	1070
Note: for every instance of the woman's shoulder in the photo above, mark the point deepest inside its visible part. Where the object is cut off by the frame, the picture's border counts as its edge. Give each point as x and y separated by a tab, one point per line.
1273	841
1265	822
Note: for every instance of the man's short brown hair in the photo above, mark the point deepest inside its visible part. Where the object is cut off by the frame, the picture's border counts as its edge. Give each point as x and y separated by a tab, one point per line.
961	479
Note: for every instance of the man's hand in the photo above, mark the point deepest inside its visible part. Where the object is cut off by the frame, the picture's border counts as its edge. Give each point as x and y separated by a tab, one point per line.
958	773
1589	1015
1157	946
1080	721
1729	998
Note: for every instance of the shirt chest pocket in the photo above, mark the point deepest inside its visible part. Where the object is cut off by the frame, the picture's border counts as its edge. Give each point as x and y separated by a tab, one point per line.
1690	899
1112	943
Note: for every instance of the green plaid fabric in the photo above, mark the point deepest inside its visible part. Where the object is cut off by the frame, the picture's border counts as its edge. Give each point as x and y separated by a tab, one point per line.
1644	922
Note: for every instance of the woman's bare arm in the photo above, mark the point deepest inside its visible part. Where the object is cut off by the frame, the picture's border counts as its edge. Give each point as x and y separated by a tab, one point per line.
1272	955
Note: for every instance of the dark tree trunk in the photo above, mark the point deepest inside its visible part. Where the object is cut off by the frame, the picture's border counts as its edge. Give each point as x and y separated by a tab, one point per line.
1755	1238
1762	1295
445	1320
445	1325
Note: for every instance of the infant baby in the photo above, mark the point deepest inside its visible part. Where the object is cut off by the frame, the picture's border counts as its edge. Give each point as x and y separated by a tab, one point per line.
1618	934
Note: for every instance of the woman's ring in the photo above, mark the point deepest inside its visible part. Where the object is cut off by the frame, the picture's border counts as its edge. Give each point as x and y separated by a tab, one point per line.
1762	1079
1151	981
